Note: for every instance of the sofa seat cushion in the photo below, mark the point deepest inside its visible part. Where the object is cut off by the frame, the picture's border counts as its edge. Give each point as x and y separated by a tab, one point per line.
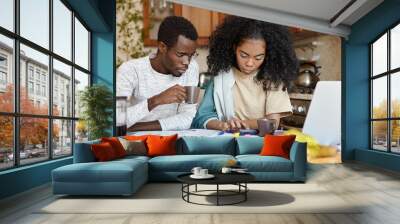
185	163
133	158
112	171
257	163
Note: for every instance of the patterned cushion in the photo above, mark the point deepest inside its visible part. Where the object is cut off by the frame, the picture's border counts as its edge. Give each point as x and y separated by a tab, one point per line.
135	147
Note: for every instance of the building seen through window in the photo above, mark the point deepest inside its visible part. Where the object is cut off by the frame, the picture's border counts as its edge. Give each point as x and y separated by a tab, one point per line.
385	94
35	143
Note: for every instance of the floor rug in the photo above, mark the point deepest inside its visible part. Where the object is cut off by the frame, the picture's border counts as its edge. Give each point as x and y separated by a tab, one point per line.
167	198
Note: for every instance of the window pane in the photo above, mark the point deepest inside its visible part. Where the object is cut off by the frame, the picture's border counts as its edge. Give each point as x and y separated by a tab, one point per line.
395	94
379	97
62	29
7	14
6	74
379	55
81	45
379	135
33	100
395	136
395	47
81	131
6	142
81	81
62	141
33	140
35	21
62	89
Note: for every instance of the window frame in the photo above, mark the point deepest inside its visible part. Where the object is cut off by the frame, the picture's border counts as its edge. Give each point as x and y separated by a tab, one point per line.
3	71
388	74
16	114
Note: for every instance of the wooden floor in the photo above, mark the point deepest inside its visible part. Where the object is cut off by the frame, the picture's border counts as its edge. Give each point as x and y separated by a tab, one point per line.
378	189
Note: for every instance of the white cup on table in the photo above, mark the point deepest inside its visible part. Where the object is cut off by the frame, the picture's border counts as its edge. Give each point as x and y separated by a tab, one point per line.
203	172
196	170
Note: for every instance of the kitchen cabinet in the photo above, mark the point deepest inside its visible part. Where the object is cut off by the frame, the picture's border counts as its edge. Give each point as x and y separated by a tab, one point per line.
205	21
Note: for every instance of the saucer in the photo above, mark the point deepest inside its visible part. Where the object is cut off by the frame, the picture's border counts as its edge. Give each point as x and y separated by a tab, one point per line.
240	171
208	176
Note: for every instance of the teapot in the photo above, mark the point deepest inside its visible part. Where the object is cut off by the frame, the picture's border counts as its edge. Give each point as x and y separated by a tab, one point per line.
308	76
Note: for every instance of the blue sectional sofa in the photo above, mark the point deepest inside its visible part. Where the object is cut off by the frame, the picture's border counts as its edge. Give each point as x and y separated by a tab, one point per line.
125	176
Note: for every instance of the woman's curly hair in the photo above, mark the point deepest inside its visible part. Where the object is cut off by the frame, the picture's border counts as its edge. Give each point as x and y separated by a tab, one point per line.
280	65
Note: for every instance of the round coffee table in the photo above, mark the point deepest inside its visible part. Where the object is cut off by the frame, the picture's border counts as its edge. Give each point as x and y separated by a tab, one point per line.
238	179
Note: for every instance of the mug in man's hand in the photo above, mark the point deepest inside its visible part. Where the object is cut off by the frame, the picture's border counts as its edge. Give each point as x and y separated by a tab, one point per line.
192	94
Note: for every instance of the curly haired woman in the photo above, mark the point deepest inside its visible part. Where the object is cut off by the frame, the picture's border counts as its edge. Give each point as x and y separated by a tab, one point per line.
253	63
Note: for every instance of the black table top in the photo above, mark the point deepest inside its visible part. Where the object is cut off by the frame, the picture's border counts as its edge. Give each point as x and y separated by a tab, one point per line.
220	178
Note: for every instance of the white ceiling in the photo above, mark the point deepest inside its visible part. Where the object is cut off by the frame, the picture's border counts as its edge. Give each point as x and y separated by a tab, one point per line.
320	9
315	15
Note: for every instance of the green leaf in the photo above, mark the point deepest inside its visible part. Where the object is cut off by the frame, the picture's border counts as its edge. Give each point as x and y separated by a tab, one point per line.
96	102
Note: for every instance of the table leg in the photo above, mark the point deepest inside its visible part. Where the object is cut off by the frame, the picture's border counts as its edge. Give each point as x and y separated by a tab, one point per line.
217	194
182	188
188	190
245	193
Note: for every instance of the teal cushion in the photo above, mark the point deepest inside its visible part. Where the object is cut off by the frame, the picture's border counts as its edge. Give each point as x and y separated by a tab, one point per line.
249	145
185	163
257	163
197	145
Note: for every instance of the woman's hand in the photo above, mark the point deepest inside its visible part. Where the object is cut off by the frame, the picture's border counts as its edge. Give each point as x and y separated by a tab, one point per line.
232	125
217	125
236	124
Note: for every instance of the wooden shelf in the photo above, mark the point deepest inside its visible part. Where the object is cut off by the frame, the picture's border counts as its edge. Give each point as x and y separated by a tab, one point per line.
291	127
301	96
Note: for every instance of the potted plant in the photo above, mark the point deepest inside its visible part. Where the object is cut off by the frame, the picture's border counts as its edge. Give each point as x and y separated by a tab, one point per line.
96	102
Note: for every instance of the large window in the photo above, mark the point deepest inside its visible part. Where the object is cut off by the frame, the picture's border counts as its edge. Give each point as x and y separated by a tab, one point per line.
385	91
44	64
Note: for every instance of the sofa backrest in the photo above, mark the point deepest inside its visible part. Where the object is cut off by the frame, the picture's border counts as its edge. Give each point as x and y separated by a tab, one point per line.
83	152
249	145
192	145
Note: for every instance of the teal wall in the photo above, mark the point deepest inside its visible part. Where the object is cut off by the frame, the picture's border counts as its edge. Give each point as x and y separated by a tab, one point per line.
99	16
356	85
24	178
103	52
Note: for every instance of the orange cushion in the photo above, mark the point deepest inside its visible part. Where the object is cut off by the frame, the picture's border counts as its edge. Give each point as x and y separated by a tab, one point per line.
136	138
103	151
161	145
277	145
116	145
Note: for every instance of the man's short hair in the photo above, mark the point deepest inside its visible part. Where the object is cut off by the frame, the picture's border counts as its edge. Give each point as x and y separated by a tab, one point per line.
173	26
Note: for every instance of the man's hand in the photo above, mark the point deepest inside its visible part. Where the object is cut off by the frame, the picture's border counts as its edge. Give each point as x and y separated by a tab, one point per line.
174	94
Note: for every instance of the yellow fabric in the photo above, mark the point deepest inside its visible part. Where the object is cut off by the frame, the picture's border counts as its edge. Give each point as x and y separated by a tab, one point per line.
313	147
251	102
